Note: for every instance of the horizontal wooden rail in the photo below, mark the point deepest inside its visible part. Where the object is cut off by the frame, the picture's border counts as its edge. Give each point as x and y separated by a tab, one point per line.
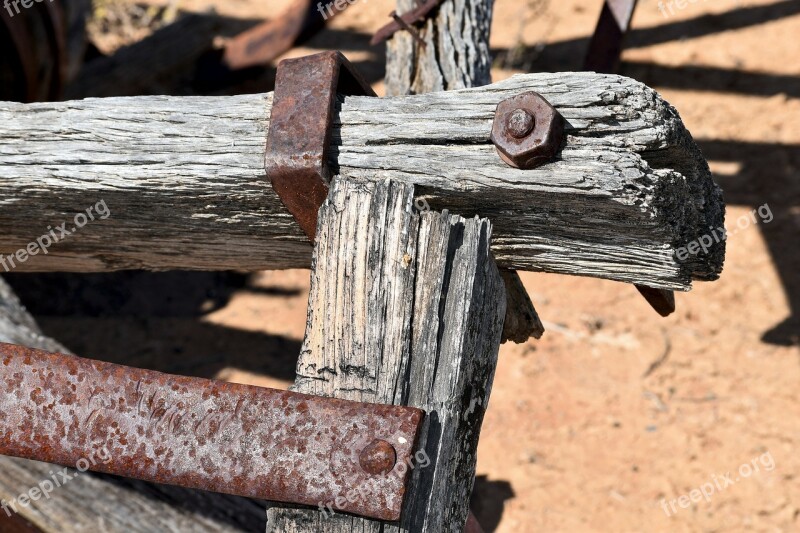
183	179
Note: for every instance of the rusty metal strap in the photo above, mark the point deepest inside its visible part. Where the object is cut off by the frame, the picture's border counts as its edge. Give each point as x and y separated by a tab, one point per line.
300	130
237	439
405	21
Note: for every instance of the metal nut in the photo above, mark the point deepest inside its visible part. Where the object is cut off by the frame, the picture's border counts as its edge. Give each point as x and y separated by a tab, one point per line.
527	143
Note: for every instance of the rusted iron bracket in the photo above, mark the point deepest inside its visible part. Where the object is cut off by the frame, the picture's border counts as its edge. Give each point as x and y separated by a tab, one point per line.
223	437
300	130
265	42
405	21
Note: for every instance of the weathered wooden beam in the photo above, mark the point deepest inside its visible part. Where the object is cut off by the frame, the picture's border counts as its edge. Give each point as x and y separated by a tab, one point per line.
405	308
91	502
184	180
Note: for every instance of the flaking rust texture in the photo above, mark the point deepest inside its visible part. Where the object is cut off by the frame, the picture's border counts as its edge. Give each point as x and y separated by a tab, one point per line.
192	432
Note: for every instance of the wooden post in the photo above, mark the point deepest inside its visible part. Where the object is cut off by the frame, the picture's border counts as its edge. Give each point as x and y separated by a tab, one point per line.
405	308
438	498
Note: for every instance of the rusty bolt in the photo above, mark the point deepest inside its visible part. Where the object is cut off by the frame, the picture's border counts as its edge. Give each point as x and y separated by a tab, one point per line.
527	130
519	123
379	457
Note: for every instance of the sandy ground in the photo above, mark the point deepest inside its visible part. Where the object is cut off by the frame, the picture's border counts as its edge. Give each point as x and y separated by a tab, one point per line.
611	418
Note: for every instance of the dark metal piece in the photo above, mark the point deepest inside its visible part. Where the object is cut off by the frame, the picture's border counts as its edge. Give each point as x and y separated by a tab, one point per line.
543	139
418	14
34	62
16	524
605	48
300	130
662	300
223	437
265	42
379	457
410	29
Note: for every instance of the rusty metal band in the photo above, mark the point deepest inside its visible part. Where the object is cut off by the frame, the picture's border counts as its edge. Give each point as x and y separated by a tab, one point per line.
605	48
268	40
197	433
299	135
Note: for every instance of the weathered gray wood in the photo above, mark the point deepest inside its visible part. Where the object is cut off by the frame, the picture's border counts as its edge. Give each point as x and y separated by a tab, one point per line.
456	54
449	499
184	179
458	59
404	308
90	502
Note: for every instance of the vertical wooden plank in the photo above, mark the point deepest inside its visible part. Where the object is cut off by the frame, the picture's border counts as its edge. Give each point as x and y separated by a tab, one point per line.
404	308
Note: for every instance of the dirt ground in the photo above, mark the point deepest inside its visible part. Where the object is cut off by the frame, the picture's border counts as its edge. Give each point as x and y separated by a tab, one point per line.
616	414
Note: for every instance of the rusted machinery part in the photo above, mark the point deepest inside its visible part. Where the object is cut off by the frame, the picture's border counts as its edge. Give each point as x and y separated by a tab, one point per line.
405	21
223	437
264	43
300	126
36	37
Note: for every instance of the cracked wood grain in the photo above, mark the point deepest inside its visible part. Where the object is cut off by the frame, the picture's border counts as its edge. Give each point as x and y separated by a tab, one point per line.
405	308
184	179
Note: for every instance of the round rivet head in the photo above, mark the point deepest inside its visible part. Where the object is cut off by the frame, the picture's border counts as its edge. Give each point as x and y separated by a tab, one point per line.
379	457
520	123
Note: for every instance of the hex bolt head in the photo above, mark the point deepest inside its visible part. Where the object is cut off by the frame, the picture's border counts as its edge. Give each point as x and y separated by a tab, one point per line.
520	123
527	130
379	457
